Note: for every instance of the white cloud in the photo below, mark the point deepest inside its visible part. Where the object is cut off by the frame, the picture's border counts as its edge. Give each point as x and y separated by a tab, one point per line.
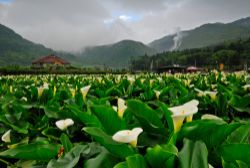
125	17
71	25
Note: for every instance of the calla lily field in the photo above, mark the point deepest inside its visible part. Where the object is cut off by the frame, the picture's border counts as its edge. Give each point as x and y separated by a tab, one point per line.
199	120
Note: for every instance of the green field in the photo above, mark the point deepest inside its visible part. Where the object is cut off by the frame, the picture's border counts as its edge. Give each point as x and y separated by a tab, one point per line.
125	121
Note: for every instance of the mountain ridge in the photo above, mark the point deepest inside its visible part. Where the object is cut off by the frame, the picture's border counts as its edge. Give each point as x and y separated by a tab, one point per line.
116	55
16	50
205	35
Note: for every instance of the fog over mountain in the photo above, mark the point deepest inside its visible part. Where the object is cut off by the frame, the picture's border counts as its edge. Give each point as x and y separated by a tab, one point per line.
72	25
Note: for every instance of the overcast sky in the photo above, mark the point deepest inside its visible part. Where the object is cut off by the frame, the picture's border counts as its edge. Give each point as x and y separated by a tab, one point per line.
71	25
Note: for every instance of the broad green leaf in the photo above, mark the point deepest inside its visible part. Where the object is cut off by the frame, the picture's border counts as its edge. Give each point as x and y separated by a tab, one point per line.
103	160
109	119
67	145
147	117
70	159
194	154
135	161
241	135
212	132
167	115
52	132
88	119
22	130
158	156
32	152
118	149
234	152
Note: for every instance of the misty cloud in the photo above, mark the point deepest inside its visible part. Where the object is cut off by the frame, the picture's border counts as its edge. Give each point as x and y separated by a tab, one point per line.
72	25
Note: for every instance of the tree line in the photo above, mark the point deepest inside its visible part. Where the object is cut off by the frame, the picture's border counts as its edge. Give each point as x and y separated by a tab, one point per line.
233	54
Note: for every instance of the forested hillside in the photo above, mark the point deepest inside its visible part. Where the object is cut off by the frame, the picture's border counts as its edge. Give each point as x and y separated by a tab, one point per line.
232	54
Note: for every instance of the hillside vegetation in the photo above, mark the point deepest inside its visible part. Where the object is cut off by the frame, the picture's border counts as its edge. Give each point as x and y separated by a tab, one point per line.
205	35
116	55
234	54
15	50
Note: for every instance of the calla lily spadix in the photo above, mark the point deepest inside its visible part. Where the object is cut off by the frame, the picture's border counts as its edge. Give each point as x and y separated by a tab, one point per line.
11	89
85	91
121	107
128	136
54	91
73	92
6	136
183	111
64	124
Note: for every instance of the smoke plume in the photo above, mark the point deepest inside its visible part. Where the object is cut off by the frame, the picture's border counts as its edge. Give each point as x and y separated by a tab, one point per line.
177	39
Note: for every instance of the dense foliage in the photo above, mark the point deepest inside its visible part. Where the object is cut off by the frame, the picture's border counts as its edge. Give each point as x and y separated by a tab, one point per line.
75	121
233	54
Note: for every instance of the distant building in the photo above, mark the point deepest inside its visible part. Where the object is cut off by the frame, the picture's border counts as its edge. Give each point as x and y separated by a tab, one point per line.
50	60
193	69
172	69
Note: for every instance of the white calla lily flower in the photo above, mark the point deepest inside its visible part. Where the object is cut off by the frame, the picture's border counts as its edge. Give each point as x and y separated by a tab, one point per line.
73	92
6	137
131	79
121	107
246	87
64	124
200	93
85	91
157	93
183	111
115	108
128	136
212	94
41	89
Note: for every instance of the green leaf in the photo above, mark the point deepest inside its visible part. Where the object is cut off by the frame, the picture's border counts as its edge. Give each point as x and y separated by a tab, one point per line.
22	130
193	155
212	132
67	145
70	159
167	115
234	152
135	161
118	149
147	117
104	160
34	151
159	155
88	119
109	119
241	135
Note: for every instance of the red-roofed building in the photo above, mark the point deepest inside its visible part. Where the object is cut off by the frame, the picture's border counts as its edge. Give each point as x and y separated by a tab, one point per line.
50	60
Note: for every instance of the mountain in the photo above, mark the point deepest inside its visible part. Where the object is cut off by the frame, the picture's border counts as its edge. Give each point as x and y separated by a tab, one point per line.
205	35
116	55
15	50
